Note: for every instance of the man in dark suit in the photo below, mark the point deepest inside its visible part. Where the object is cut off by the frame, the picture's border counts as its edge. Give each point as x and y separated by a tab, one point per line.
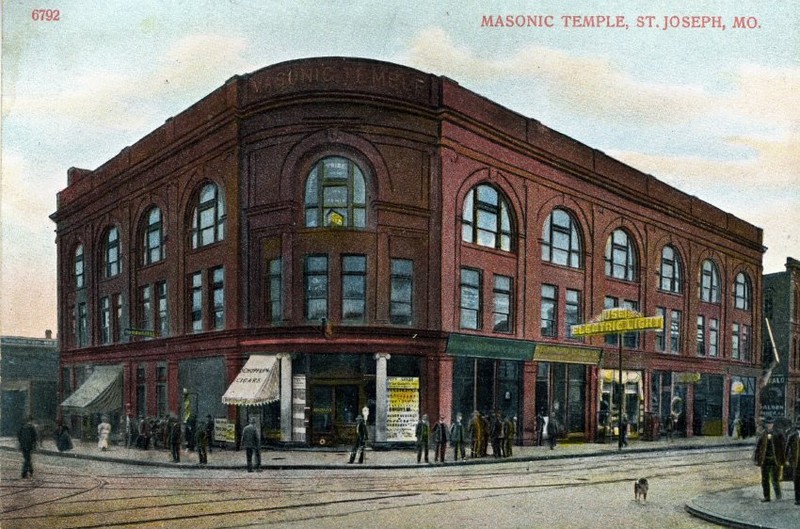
769	455
361	441
793	458
28	438
423	432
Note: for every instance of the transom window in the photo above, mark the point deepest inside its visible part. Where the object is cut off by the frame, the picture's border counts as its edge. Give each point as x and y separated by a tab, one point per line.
709	282
113	253
80	278
153	243
743	292
336	194
208	217
671	271
620	256
486	219
561	243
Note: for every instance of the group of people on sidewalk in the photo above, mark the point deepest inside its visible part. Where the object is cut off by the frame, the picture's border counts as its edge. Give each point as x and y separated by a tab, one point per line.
501	431
775	453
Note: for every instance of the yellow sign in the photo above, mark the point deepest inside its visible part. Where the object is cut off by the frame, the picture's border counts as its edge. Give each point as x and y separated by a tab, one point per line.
618	320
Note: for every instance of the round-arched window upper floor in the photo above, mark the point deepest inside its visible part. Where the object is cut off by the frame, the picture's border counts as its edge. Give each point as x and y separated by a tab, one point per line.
671	271
486	219
709	282
743	292
80	276
208	216
152	233
620	257
336	194
112	253
561	241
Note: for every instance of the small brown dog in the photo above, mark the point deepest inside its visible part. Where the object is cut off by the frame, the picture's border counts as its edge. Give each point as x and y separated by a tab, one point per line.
640	487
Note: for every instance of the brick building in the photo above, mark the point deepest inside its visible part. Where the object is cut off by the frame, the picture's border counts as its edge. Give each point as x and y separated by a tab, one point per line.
333	236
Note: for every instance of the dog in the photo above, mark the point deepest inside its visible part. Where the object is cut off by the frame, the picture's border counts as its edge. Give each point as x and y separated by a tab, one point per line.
640	487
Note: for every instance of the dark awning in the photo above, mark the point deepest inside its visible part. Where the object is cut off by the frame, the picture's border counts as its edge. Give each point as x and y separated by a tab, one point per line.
486	347
101	392
257	383
567	354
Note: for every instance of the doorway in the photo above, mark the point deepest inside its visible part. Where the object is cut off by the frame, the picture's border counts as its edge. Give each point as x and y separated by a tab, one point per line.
334	408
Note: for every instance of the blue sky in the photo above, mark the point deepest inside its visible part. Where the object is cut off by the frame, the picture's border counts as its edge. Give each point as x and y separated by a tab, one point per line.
714	113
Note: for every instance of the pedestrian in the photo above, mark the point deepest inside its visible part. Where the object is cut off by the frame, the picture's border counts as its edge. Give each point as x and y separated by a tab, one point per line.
191	432
457	438
769	455
251	442
128	427
201	443
623	430
511	435
144	433
423	432
540	428
103	432
439	439
210	432
737	427
360	444
793	458
484	433
552	431
474	430
669	426
496	432
64	440
28	440
175	439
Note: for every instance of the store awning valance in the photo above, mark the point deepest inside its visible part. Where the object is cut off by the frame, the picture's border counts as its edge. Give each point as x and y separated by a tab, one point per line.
257	383
102	392
567	354
486	347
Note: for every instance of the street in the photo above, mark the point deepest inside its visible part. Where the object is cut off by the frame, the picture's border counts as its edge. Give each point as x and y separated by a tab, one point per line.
576	492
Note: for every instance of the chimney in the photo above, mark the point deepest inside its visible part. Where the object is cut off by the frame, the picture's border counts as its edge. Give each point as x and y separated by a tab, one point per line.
48	334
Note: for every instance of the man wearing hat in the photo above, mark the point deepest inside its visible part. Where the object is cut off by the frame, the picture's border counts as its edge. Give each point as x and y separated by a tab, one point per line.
793	458
361	441
769	455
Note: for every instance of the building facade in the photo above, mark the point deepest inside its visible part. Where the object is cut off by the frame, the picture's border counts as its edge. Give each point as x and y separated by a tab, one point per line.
350	236
781	397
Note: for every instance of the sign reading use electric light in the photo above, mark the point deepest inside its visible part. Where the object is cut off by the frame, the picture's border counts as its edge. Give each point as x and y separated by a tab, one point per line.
618	320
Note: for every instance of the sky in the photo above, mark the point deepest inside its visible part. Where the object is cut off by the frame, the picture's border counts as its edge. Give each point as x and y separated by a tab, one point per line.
713	112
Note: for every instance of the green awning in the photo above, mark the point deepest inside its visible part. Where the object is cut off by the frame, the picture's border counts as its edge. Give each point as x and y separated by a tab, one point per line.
102	392
486	347
567	354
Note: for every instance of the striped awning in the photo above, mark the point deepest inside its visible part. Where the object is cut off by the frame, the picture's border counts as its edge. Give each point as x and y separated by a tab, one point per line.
257	383
102	392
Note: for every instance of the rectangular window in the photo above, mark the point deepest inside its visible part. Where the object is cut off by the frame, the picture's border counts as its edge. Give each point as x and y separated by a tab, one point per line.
630	339
83	325
117	327
400	309
105	320
275	294
736	351
661	334
141	390
701	336
162	314
745	343
713	337
162	406
218	297
316	287
196	314
145	308
470	299
354	288
503	304
573	310
549	317
675	331
610	303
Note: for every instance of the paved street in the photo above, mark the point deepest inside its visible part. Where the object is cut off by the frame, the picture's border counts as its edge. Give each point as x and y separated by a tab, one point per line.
578	491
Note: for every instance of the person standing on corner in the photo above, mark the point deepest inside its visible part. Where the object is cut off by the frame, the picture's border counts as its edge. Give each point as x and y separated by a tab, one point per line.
623	430
540	428
440	439
552	431
769	455
28	440
474	432
457	438
103	432
201	443
251	442
210	432
175	439
793	458
511	435
423	432
361	441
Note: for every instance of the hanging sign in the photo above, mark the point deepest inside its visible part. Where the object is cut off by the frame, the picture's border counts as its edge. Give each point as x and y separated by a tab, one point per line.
618	320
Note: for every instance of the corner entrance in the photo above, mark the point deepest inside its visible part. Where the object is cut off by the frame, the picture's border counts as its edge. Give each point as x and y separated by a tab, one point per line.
334	408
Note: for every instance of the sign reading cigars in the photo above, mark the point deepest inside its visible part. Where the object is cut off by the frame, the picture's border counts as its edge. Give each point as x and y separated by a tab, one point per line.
618	320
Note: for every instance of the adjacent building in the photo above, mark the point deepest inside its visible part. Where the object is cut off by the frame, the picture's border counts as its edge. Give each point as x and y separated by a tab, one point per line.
330	237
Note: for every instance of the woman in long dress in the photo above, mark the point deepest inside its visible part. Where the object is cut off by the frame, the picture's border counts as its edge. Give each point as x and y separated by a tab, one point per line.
103	431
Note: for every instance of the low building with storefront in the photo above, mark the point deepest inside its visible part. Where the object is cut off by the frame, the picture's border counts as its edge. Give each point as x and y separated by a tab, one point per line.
330	237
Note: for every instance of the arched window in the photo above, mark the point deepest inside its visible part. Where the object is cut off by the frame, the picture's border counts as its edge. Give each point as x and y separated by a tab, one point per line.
208	217
620	256
486	219
671	271
112	253
80	278
336	194
709	282
153	237
742	292
561	243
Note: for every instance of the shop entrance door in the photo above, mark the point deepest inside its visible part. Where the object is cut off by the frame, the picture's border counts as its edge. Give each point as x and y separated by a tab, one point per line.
334	408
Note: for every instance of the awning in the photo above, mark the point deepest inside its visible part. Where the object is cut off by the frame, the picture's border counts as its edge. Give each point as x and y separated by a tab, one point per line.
486	347
101	392
257	383
567	354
